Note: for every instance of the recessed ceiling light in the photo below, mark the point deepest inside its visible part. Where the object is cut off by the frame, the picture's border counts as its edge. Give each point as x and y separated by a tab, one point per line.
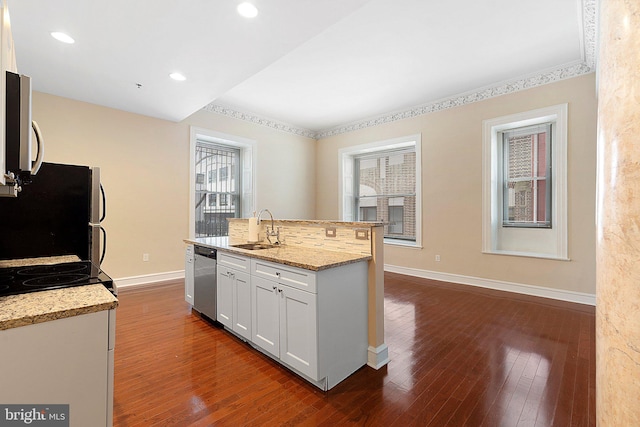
247	10
177	76
64	38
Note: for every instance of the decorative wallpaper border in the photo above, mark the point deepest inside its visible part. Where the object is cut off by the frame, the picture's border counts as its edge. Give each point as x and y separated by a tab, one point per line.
567	71
258	120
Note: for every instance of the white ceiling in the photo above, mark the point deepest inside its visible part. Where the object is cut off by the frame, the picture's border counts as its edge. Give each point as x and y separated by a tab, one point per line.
312	64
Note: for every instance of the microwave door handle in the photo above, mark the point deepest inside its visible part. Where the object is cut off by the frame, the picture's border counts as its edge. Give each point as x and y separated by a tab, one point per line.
40	142
104	244
104	204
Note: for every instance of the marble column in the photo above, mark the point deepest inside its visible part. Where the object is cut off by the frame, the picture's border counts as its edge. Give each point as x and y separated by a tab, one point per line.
618	216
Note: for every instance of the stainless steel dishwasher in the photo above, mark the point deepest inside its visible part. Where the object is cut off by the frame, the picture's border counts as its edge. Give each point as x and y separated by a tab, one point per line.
204	290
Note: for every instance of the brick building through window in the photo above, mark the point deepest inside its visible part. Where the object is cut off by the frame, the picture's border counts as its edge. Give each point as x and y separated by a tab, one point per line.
385	188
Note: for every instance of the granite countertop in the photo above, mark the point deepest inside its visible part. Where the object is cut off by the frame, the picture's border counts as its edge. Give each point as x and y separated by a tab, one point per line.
295	256
43	306
25	262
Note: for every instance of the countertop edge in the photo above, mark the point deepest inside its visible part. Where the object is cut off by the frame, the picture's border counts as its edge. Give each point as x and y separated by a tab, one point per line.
54	304
56	315
291	263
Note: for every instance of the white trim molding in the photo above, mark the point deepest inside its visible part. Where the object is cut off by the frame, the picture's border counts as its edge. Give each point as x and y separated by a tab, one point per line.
590	32
249	152
149	279
518	288
533	242
504	88
346	179
377	357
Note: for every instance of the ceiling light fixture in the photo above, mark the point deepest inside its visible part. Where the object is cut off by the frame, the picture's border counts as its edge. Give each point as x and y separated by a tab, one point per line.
62	37
177	76
247	10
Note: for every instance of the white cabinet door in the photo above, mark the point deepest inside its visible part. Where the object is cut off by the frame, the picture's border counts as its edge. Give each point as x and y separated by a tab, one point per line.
298	330
266	317
242	304
234	300
64	361
188	274
224	294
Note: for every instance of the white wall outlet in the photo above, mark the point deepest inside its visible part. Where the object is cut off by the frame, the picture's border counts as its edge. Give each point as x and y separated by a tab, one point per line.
145	257
437	258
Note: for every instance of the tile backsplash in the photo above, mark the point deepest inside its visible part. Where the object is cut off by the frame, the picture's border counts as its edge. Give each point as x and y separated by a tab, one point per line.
309	234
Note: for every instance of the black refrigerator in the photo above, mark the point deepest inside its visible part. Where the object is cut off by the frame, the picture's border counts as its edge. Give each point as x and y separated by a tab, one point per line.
59	213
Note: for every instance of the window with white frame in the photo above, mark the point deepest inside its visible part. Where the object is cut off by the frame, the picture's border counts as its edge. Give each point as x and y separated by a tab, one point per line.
525	184
381	182
227	161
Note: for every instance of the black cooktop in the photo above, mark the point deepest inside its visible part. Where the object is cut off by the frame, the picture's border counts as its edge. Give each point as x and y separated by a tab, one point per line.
33	278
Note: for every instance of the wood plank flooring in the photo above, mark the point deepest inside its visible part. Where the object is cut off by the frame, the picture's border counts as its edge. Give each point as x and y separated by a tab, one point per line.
460	356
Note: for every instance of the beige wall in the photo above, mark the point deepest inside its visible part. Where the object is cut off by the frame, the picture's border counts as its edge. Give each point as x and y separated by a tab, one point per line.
145	169
145	163
452	188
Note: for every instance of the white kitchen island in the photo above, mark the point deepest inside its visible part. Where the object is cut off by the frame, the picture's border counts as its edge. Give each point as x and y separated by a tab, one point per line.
311	320
310	246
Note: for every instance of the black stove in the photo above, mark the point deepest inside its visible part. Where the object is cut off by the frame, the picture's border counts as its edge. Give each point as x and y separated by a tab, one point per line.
33	278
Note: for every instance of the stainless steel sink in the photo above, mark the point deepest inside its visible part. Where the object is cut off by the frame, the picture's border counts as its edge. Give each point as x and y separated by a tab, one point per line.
254	246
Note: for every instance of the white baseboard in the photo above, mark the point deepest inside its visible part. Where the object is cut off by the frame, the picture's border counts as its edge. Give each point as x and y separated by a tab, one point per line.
538	291
377	357
147	279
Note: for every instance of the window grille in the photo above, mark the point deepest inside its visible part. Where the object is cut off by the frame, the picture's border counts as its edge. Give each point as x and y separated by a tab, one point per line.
218	197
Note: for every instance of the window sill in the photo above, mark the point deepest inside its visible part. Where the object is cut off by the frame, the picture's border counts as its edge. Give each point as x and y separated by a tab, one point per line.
528	255
401	243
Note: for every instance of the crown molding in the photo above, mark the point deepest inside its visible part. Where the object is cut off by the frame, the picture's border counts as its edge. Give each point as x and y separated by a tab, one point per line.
590	32
566	71
258	120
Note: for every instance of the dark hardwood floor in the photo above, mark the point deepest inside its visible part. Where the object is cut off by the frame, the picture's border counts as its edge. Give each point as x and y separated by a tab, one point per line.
460	356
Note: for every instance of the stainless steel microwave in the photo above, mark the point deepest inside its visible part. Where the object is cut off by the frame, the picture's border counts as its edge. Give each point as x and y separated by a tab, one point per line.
18	125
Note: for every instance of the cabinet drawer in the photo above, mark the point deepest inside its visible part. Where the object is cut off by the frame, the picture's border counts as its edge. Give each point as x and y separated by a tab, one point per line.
237	262
295	277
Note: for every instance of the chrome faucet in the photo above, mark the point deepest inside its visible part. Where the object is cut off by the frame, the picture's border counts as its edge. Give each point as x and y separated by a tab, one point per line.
273	232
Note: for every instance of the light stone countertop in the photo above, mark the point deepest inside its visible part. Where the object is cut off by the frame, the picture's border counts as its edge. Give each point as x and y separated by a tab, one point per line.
25	262
43	306
295	256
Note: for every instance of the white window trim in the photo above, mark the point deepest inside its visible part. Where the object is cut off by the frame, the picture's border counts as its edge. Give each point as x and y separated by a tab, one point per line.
345	180
248	151
492	191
